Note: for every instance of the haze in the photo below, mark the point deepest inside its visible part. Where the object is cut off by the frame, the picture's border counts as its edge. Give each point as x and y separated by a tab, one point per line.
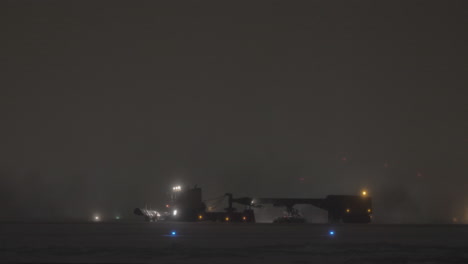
106	105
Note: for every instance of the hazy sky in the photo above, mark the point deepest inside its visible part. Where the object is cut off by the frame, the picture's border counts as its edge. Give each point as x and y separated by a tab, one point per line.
105	105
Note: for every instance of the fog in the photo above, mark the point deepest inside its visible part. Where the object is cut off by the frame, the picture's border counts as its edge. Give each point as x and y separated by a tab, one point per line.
104	107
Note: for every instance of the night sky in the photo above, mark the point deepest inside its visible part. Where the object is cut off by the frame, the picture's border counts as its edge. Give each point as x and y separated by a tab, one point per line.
105	105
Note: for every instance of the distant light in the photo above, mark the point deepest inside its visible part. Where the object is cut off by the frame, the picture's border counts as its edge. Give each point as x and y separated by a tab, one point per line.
177	188
369	210
117	218
455	219
364	193
227	219
200	217
347	210
244	218
174	213
167	206
97	218
332	233
173	233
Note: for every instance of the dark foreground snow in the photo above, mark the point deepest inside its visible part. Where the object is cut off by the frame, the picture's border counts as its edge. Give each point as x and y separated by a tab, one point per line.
231	243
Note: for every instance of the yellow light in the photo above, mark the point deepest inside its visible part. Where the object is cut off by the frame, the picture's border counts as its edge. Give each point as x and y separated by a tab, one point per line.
227	219
347	210
364	193
200	217
368	210
244	218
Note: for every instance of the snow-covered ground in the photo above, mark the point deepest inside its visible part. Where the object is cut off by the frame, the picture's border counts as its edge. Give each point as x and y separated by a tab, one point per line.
231	243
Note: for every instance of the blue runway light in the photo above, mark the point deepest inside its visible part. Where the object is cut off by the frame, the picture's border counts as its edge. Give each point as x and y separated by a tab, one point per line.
173	233
332	233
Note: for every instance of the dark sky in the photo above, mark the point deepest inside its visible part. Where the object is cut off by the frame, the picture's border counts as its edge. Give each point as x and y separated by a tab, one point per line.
105	105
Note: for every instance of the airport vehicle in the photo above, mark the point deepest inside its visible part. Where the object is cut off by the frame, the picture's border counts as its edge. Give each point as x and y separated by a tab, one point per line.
150	215
187	205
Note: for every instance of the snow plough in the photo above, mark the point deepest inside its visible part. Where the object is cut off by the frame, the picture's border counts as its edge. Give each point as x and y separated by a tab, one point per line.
187	205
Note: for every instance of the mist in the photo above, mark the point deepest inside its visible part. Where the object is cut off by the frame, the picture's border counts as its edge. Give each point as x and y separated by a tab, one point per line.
105	107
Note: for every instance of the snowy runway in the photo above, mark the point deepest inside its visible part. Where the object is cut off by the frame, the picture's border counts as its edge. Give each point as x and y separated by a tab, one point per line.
231	243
